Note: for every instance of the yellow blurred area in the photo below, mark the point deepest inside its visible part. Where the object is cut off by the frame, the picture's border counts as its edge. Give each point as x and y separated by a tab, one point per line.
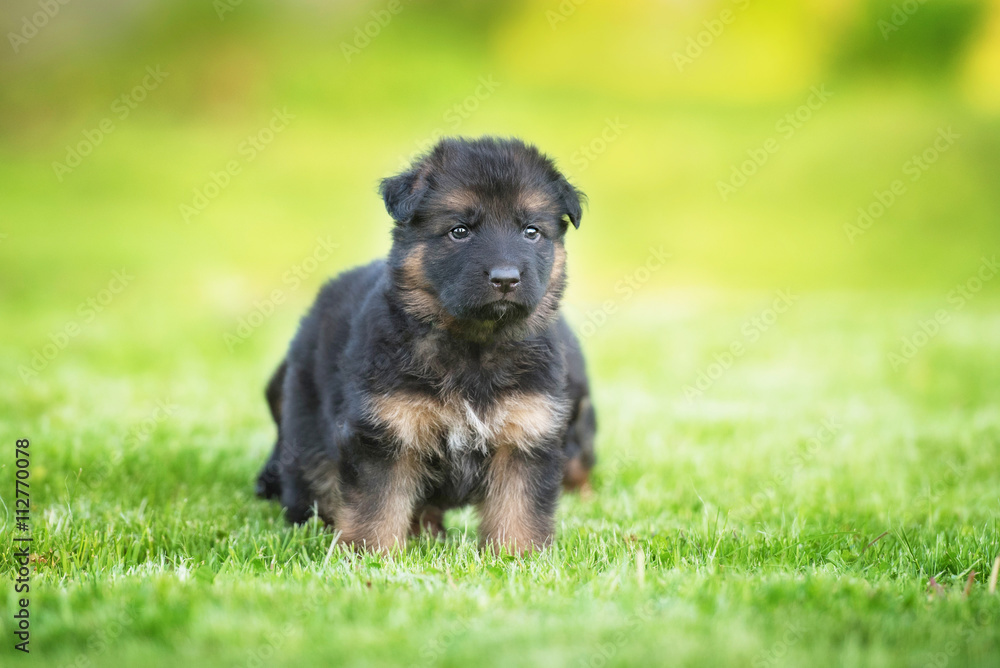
981	73
747	139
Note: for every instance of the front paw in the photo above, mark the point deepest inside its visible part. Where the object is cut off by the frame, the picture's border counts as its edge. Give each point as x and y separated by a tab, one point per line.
518	509
515	543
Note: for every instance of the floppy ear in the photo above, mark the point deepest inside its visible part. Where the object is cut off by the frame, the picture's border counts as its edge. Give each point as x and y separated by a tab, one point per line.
571	200
403	192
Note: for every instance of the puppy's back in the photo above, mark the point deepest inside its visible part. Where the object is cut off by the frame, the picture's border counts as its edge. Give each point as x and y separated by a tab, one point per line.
336	305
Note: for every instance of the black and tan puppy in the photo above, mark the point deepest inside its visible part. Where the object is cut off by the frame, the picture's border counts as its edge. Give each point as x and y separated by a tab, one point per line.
444	376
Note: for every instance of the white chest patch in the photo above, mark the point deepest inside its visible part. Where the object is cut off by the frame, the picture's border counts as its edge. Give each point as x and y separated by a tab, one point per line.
423	423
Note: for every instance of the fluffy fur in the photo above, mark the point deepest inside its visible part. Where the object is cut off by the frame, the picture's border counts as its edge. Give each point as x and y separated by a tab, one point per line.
444	375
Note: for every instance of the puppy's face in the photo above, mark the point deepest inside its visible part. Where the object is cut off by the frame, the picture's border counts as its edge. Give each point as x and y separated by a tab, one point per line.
478	243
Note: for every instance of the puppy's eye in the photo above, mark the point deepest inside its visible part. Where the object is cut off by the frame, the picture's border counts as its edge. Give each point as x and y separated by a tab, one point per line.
531	233
459	232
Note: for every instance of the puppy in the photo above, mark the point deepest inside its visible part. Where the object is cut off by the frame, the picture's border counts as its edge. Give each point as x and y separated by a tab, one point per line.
445	375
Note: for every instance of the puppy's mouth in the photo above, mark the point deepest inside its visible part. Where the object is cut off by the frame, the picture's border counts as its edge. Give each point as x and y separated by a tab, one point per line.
501	311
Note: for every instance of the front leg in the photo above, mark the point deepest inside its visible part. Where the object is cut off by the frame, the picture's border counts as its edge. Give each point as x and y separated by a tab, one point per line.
378	500
521	489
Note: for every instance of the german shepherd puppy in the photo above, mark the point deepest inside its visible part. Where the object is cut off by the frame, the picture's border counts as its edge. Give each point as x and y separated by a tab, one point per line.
445	375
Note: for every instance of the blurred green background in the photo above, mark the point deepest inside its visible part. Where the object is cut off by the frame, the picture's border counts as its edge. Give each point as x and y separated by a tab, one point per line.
177	179
647	105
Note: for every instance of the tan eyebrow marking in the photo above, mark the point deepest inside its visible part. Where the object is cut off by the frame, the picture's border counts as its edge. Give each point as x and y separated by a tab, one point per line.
534	200
458	199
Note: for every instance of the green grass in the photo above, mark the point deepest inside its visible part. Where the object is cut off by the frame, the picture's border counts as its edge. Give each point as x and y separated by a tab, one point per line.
792	513
729	528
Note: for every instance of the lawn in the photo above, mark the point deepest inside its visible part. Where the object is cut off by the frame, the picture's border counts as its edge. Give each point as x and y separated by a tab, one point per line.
792	512
798	401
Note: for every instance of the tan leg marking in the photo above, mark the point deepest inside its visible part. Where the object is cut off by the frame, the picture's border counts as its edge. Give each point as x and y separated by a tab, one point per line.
508	517
324	483
386	527
576	477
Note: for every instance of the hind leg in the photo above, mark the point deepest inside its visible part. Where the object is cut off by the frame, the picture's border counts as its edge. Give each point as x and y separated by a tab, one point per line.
295	497
579	446
378	502
428	518
269	478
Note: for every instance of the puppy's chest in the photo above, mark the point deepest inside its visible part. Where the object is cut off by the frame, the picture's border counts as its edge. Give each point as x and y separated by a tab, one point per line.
451	426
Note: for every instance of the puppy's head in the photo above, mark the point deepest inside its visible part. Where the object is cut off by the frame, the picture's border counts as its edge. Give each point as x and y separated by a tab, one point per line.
478	242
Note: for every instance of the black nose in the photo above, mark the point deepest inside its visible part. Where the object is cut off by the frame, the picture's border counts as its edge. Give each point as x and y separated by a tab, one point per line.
505	278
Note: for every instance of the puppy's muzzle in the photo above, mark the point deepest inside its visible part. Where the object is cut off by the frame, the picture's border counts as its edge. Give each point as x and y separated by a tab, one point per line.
505	279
